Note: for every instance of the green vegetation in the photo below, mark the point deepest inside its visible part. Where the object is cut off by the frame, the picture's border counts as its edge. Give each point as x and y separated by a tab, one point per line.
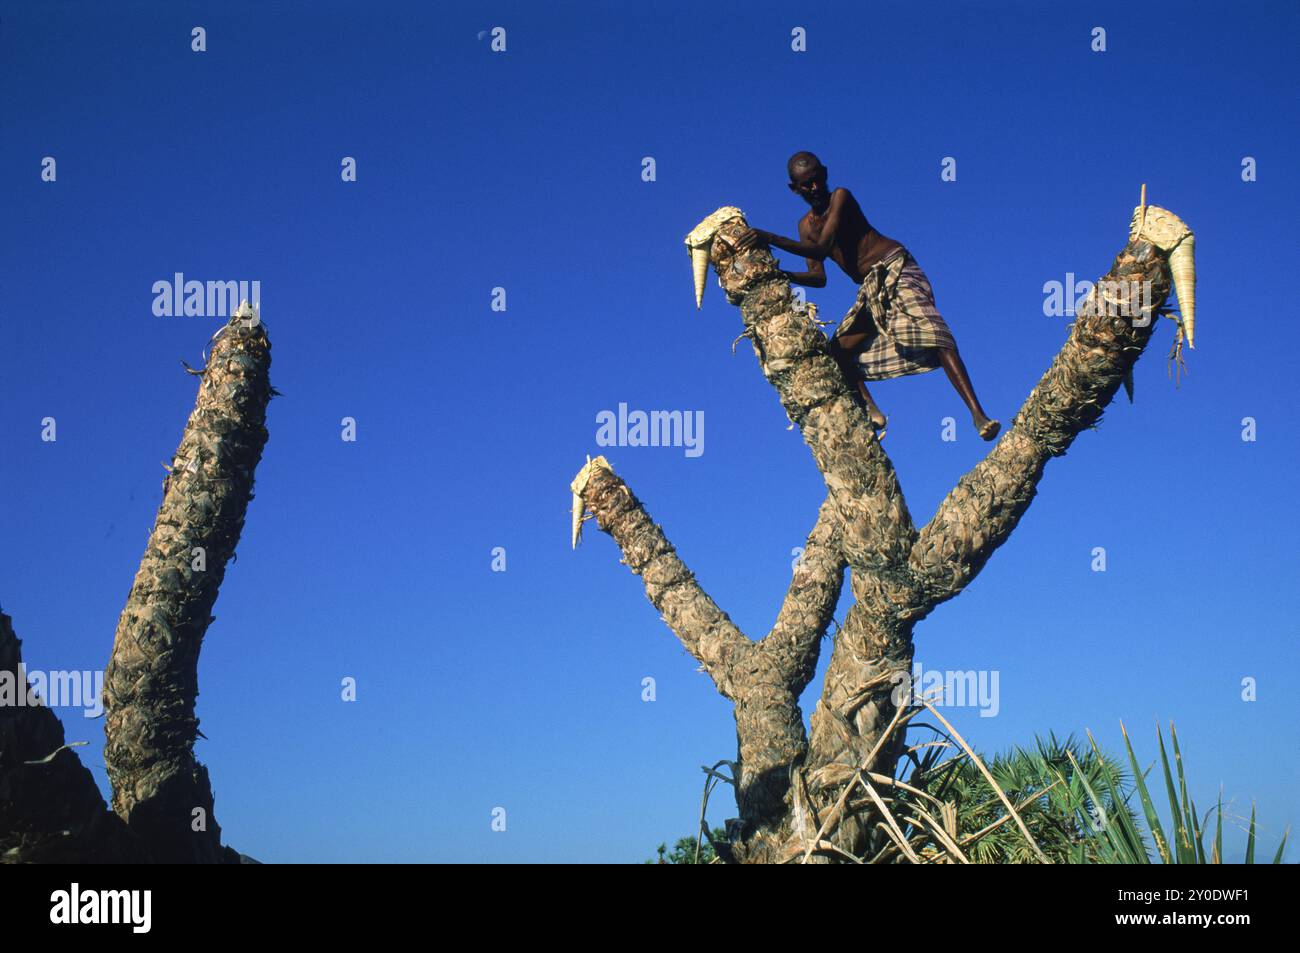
684	852
1075	805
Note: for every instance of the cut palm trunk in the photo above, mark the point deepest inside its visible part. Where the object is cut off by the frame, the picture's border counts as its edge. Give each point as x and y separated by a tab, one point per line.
150	687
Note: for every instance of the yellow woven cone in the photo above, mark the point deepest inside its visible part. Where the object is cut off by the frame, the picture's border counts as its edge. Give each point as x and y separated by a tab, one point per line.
577	519
700	264
577	486
1182	262
1170	233
700	240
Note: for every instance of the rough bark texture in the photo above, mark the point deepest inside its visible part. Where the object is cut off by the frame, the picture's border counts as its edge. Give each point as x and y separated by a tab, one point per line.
151	682
51	811
763	679
987	503
788	781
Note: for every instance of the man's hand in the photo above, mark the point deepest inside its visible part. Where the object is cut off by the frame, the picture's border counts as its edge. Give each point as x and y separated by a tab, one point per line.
754	238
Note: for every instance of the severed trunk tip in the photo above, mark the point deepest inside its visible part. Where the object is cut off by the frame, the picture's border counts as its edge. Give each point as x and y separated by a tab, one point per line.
249	314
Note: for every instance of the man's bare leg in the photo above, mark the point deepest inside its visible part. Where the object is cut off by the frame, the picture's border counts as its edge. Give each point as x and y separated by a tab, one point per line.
843	349
956	371
878	419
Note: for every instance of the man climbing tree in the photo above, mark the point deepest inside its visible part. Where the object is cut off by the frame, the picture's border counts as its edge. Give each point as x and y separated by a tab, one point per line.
893	328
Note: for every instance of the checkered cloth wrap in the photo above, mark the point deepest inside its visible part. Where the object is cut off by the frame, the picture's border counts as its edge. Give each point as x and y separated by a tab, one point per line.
896	302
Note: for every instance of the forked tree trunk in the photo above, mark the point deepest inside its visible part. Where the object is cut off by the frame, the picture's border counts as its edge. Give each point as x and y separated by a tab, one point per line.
788	783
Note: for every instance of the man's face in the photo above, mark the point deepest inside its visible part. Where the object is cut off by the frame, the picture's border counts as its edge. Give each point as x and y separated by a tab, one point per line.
810	184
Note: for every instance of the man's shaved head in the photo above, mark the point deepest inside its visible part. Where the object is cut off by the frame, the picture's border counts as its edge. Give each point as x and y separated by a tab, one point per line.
802	162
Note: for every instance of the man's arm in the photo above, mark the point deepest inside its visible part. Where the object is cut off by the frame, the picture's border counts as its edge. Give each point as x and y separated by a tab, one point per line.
815	276
818	249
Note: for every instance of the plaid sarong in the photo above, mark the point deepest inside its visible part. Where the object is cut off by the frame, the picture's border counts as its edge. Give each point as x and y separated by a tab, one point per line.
896	302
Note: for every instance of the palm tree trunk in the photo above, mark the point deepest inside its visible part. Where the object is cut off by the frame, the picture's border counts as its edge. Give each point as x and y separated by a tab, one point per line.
763	679
159	788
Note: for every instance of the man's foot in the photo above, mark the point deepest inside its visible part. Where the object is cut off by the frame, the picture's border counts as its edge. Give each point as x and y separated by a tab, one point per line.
878	421
988	429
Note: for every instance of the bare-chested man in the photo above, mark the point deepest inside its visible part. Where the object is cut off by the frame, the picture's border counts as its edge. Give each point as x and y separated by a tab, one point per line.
893	328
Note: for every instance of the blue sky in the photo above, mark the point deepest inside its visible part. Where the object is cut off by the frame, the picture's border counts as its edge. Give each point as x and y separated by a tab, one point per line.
476	170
